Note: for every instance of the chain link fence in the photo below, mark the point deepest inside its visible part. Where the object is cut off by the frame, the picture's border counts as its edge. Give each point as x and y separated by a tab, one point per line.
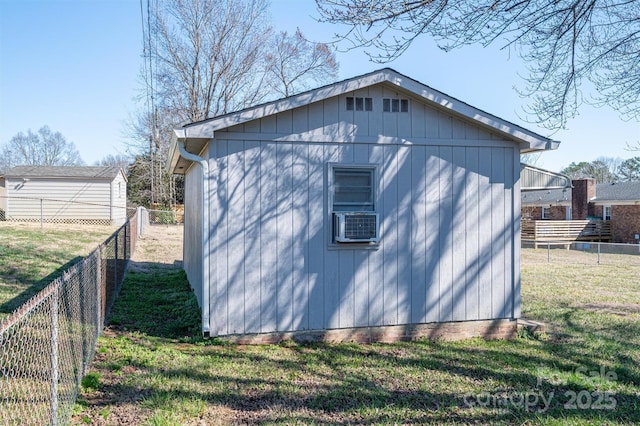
580	252
48	343
165	217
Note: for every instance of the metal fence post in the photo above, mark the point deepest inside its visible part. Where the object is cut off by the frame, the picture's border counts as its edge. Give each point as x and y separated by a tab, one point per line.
115	265
548	252
98	263
54	355
41	215
598	253
126	241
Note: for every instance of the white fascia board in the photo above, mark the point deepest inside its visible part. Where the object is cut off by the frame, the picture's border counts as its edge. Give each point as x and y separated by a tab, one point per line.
597	202
193	145
532	141
173	151
206	129
558	203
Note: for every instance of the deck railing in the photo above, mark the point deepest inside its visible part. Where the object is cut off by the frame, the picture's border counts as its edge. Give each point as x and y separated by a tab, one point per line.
566	230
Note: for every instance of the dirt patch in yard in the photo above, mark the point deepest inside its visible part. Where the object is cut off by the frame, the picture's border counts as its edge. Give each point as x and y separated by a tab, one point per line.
116	402
159	248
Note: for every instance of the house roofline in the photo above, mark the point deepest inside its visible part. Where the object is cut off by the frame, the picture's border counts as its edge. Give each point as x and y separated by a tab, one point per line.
12	174
205	128
529	141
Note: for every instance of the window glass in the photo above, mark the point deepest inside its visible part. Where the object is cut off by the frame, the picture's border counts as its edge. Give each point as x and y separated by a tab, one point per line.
368	104
545	213
395	105
353	189
349	103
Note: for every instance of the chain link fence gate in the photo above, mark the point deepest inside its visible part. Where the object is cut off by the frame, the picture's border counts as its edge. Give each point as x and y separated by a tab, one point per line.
48	343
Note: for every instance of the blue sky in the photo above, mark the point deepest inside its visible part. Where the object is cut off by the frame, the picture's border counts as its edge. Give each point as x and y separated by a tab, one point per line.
74	64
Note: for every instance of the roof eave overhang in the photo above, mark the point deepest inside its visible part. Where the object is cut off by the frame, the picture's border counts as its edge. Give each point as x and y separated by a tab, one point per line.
194	141
528	141
550	203
543	179
597	202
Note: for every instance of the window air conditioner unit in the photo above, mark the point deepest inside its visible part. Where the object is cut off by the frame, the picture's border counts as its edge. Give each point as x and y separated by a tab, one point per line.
355	227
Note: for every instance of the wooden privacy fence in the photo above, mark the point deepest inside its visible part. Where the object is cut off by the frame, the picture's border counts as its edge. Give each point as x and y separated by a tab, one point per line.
563	231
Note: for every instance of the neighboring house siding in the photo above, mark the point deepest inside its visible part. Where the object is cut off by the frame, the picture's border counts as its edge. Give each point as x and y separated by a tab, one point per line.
62	199
3	198
625	223
119	200
535	213
192	247
449	219
597	211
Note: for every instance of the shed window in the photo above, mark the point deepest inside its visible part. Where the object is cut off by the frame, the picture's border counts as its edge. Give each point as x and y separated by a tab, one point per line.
353	188
352	206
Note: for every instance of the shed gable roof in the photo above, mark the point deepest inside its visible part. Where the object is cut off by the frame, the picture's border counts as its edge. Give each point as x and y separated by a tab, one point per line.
204	130
59	172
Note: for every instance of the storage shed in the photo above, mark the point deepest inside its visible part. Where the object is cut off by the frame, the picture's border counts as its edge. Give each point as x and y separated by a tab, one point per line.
375	208
96	195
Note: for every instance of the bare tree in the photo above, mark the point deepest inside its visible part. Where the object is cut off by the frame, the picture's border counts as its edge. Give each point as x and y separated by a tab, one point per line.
208	56
295	64
564	42
204	58
43	148
118	160
149	135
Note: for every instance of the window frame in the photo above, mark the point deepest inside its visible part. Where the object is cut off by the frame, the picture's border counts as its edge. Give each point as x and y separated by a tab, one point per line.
373	169
395	105
359	103
544	216
604	212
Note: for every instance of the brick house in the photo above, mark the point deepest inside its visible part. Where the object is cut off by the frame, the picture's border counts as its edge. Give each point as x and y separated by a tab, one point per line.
617	202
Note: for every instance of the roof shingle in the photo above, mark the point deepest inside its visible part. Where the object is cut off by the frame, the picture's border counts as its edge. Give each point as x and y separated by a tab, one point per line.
109	172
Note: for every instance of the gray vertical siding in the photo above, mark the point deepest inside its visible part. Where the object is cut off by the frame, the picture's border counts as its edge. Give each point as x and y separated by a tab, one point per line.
192	247
447	210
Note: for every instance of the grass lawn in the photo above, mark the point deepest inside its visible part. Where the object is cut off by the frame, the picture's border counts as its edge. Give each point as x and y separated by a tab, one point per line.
585	370
30	258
